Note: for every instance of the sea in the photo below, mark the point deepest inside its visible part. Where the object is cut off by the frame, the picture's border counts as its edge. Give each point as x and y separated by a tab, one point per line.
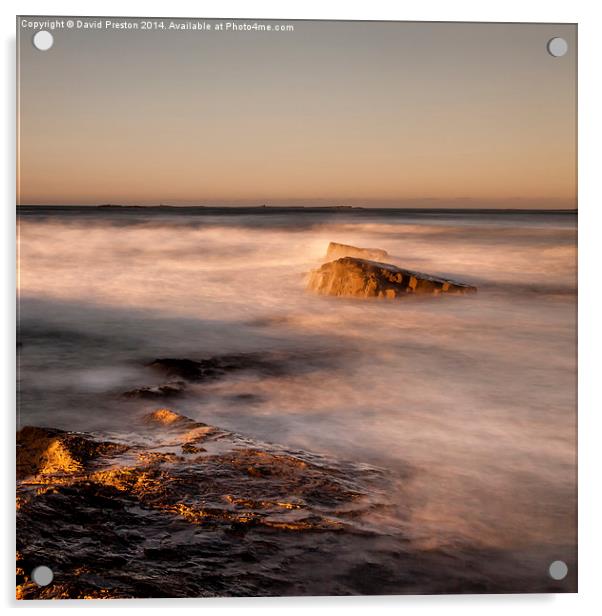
468	402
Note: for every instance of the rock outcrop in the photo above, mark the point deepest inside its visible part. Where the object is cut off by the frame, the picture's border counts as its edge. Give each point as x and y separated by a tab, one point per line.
180	373
183	510
337	251
215	367
171	389
46	451
352	277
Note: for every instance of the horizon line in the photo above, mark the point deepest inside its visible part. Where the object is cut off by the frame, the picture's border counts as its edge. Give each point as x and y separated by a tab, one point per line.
295	207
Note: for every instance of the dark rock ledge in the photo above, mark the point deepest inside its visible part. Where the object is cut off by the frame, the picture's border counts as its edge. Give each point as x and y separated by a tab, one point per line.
133	517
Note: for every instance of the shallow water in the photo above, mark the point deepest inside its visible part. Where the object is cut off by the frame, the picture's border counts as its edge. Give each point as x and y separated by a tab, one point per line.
469	401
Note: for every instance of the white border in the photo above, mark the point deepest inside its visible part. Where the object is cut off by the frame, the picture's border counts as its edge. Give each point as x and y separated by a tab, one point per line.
587	14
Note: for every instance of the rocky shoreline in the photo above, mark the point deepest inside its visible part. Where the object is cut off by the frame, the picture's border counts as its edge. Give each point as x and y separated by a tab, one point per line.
185	509
127	518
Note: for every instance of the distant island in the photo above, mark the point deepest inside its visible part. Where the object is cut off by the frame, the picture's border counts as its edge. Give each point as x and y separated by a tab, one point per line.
263	206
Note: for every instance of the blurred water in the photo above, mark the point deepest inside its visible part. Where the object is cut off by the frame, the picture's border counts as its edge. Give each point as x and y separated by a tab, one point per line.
470	400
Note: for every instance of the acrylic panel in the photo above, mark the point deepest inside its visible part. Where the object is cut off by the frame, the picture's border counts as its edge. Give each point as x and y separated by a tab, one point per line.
296	308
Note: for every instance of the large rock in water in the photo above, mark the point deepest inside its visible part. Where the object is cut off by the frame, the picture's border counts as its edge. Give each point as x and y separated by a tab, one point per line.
353	277
336	251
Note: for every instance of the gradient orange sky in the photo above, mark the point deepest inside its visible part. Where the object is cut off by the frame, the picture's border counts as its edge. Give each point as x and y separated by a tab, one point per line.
372	113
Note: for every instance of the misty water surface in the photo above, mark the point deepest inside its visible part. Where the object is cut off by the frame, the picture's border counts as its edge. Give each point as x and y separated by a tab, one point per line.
470	402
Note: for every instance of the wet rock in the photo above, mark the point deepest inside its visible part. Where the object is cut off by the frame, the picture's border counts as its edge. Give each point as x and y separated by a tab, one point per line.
182	371
172	389
216	367
190	448
122	520
337	251
237	518
167	417
47	451
353	277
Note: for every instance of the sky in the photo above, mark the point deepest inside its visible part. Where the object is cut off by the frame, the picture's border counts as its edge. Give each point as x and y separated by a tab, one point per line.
383	114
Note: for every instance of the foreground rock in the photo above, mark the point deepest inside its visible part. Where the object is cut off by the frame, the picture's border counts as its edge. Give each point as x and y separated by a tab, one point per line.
337	251
185	510
47	452
351	277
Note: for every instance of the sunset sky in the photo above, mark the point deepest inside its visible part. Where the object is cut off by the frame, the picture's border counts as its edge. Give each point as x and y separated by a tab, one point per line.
373	114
